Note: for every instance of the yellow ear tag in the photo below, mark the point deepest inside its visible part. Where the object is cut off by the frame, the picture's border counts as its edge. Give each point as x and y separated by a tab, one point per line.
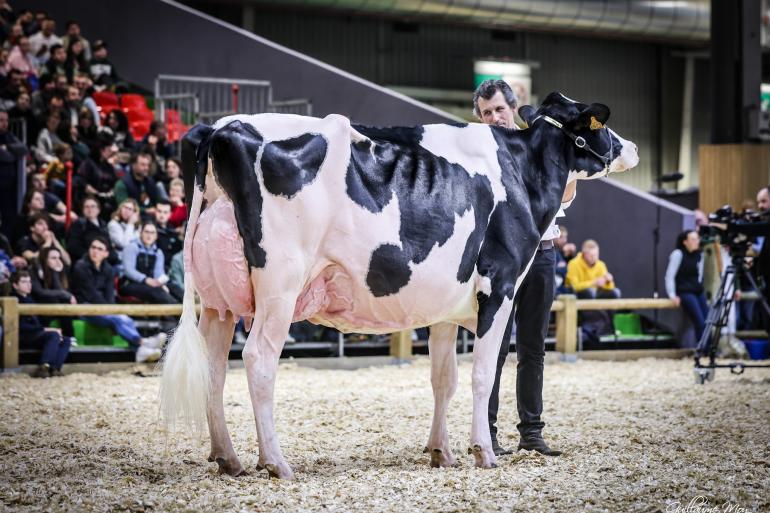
595	124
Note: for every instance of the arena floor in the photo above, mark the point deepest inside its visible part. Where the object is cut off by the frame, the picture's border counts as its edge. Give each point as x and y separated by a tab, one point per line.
638	436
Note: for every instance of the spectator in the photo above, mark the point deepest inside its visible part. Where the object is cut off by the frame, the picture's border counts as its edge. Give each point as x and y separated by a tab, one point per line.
88	130
143	267
9	263
57	63
172	169
11	151
138	185
86	229
15	84
684	279
47	138
588	276
92	282
169	239
124	225
76	58
40	237
156	141
27	21
86	87
44	41
22	59
41	97
23	110
51	202
33	335
176	272
50	286
72	31
117	122
565	251
100	67
34	203
14	36
178	206
98	175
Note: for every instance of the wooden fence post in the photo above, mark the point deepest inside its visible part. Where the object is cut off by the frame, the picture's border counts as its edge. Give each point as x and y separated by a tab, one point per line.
401	345
10	306
566	325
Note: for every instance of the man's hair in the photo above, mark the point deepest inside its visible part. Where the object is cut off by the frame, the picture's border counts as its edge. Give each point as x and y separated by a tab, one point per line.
34	218
135	157
70	23
563	229
163	202
90	197
589	244
102	239
18	275
488	88
146	223
55	47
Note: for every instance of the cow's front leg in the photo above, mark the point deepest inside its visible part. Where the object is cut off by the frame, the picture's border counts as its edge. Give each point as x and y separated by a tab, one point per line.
260	355
219	338
485	351
443	376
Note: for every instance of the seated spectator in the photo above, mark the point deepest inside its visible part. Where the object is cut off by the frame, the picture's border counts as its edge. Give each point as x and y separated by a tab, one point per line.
139	186
88	130
169	238
15	84
40	98
117	122
178	205
92	282
23	110
72	31
176	271
588	276
565	251
57	63
40	236
9	263
42	42
144	274
684	279
47	138
156	142
34	203
22	59
86	229
124	225
14	35
98	174
5	246
50	286
100	67
85	85
172	169
33	335
52	203
76	58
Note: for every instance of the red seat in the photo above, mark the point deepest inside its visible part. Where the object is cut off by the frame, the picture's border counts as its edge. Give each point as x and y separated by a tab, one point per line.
138	115
106	98
139	128
133	101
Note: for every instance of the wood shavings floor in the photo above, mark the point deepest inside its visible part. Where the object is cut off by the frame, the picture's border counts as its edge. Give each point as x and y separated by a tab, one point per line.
638	436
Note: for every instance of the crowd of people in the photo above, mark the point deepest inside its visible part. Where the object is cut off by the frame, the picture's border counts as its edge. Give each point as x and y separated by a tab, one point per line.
124	230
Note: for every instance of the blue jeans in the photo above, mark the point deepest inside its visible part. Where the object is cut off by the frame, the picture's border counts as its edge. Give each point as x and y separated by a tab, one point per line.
123	325
53	348
696	308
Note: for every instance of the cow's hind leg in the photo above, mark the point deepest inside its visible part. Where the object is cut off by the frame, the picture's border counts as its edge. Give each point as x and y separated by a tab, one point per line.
219	336
485	351
274	311
443	376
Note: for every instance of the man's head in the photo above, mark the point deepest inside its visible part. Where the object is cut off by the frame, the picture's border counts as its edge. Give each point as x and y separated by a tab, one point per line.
37	180
73	28
149	233
38	225
24	101
99	49
58	54
98	250
24	44
48	26
73	95
494	103
140	165
61	83
763	199
3	121
21	282
91	208
590	252
162	212
82	82
563	237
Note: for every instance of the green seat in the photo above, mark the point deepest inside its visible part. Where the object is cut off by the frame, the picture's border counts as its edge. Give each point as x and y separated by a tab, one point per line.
92	335
627	324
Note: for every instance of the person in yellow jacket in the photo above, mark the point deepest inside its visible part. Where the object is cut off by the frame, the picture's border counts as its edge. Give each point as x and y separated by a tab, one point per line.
588	276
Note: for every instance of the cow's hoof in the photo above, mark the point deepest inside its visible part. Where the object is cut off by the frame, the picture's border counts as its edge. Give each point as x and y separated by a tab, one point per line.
279	471
485	458
230	468
441	459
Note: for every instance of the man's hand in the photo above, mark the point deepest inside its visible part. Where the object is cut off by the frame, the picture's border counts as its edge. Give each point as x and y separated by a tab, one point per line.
609	278
677	301
73	300
152	282
568	249
600	281
54	330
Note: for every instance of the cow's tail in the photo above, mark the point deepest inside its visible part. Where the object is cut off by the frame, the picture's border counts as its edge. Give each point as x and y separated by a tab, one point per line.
186	379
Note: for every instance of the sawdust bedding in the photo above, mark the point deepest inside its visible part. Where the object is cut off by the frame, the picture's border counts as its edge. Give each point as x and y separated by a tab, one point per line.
638	436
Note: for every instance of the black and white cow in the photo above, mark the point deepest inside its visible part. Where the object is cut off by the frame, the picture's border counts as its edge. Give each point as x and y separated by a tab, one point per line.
370	230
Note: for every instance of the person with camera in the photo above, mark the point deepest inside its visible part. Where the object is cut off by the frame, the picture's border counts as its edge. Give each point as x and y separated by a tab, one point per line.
684	279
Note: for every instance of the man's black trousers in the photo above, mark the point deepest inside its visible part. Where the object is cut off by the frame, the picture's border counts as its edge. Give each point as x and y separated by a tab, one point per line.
532	308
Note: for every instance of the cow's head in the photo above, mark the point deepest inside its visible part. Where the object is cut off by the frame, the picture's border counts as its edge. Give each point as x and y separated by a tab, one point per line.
598	150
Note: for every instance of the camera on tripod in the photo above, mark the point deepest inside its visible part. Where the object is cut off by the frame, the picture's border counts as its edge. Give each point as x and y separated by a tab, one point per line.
733	229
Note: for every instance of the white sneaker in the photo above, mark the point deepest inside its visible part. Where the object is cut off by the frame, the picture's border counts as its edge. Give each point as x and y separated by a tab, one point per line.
155	342
147	354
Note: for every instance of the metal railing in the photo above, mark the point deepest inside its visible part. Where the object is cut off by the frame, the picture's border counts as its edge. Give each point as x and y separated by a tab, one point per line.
18	127
566	308
303	107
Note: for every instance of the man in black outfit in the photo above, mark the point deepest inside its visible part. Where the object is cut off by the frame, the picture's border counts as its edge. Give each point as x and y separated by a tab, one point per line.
494	104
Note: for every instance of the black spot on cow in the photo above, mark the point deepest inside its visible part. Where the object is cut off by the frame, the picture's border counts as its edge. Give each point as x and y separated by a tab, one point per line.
388	270
290	164
195	148
431	192
234	150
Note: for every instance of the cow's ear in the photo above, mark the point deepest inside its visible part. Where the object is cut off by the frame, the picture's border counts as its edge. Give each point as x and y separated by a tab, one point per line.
527	113
594	117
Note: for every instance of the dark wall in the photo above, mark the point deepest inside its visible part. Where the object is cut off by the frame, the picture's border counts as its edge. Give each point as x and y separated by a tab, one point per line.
149	37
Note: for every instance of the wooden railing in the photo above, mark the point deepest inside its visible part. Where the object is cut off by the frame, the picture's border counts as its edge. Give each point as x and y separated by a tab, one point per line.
565	306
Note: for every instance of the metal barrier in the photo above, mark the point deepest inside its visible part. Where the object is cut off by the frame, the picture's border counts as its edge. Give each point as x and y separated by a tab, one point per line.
302	107
565	306
217	97
18	127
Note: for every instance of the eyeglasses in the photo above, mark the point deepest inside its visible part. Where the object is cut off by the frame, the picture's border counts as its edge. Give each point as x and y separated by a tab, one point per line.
150	232
98	248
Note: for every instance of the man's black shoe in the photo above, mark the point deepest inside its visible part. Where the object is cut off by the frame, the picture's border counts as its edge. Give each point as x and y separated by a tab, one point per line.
499	451
539	445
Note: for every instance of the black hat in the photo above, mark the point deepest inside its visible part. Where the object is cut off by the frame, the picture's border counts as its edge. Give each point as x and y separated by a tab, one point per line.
98	45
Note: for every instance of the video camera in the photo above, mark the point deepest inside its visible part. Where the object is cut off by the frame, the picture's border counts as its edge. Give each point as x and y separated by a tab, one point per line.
735	229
